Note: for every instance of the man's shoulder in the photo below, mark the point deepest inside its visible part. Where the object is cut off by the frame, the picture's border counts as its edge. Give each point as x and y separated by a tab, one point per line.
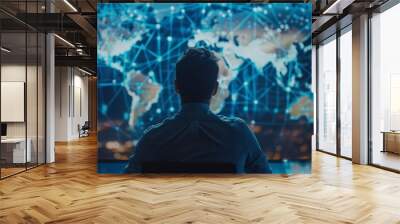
158	127
233	121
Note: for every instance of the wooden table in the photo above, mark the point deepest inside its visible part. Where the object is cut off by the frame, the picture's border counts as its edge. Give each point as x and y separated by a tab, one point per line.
391	141
13	150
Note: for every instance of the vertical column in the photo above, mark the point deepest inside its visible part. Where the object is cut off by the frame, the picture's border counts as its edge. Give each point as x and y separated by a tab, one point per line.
50	99
360	90
50	92
92	100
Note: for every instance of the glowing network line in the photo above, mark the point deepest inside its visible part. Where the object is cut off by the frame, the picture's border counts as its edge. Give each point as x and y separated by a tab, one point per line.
161	33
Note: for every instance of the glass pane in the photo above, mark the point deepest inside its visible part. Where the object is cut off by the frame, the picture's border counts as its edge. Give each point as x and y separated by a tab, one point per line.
32	86
346	94
31	97
327	97
386	89
41	98
13	86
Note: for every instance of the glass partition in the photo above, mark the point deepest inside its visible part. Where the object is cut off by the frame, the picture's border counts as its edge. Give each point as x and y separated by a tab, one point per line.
41	96
327	96
22	88
15	151
385	89
346	93
32	97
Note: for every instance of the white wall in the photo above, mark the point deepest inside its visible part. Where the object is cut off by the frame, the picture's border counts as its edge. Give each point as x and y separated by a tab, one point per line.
11	73
33	127
61	103
80	110
71	102
16	73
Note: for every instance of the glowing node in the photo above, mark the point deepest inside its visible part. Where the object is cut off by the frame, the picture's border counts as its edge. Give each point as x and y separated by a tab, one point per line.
158	111
169	38
234	97
126	116
104	108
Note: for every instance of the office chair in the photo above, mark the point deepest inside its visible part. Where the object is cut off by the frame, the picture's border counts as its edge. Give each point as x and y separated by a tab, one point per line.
84	130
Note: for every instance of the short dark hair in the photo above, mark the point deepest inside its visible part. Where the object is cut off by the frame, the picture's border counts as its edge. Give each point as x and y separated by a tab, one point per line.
197	74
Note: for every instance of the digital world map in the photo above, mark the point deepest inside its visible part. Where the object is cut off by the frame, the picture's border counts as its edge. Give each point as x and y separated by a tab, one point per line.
264	74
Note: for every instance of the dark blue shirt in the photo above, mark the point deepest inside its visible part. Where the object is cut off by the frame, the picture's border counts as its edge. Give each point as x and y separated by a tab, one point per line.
196	135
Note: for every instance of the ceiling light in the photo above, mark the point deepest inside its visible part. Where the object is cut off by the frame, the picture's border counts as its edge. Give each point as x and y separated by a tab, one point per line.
65	41
84	71
337	7
70	5
5	50
327	11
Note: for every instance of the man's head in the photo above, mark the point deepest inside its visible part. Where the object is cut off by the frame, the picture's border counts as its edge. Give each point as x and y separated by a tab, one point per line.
197	75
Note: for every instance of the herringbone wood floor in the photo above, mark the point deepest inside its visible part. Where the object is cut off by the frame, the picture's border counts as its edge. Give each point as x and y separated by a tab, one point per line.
70	191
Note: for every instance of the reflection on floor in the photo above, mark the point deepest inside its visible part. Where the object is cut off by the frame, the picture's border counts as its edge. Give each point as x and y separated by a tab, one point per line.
70	191
387	159
277	167
10	169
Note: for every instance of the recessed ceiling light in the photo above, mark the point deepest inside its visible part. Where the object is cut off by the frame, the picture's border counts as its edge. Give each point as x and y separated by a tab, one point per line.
337	7
84	71
64	40
5	50
70	5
